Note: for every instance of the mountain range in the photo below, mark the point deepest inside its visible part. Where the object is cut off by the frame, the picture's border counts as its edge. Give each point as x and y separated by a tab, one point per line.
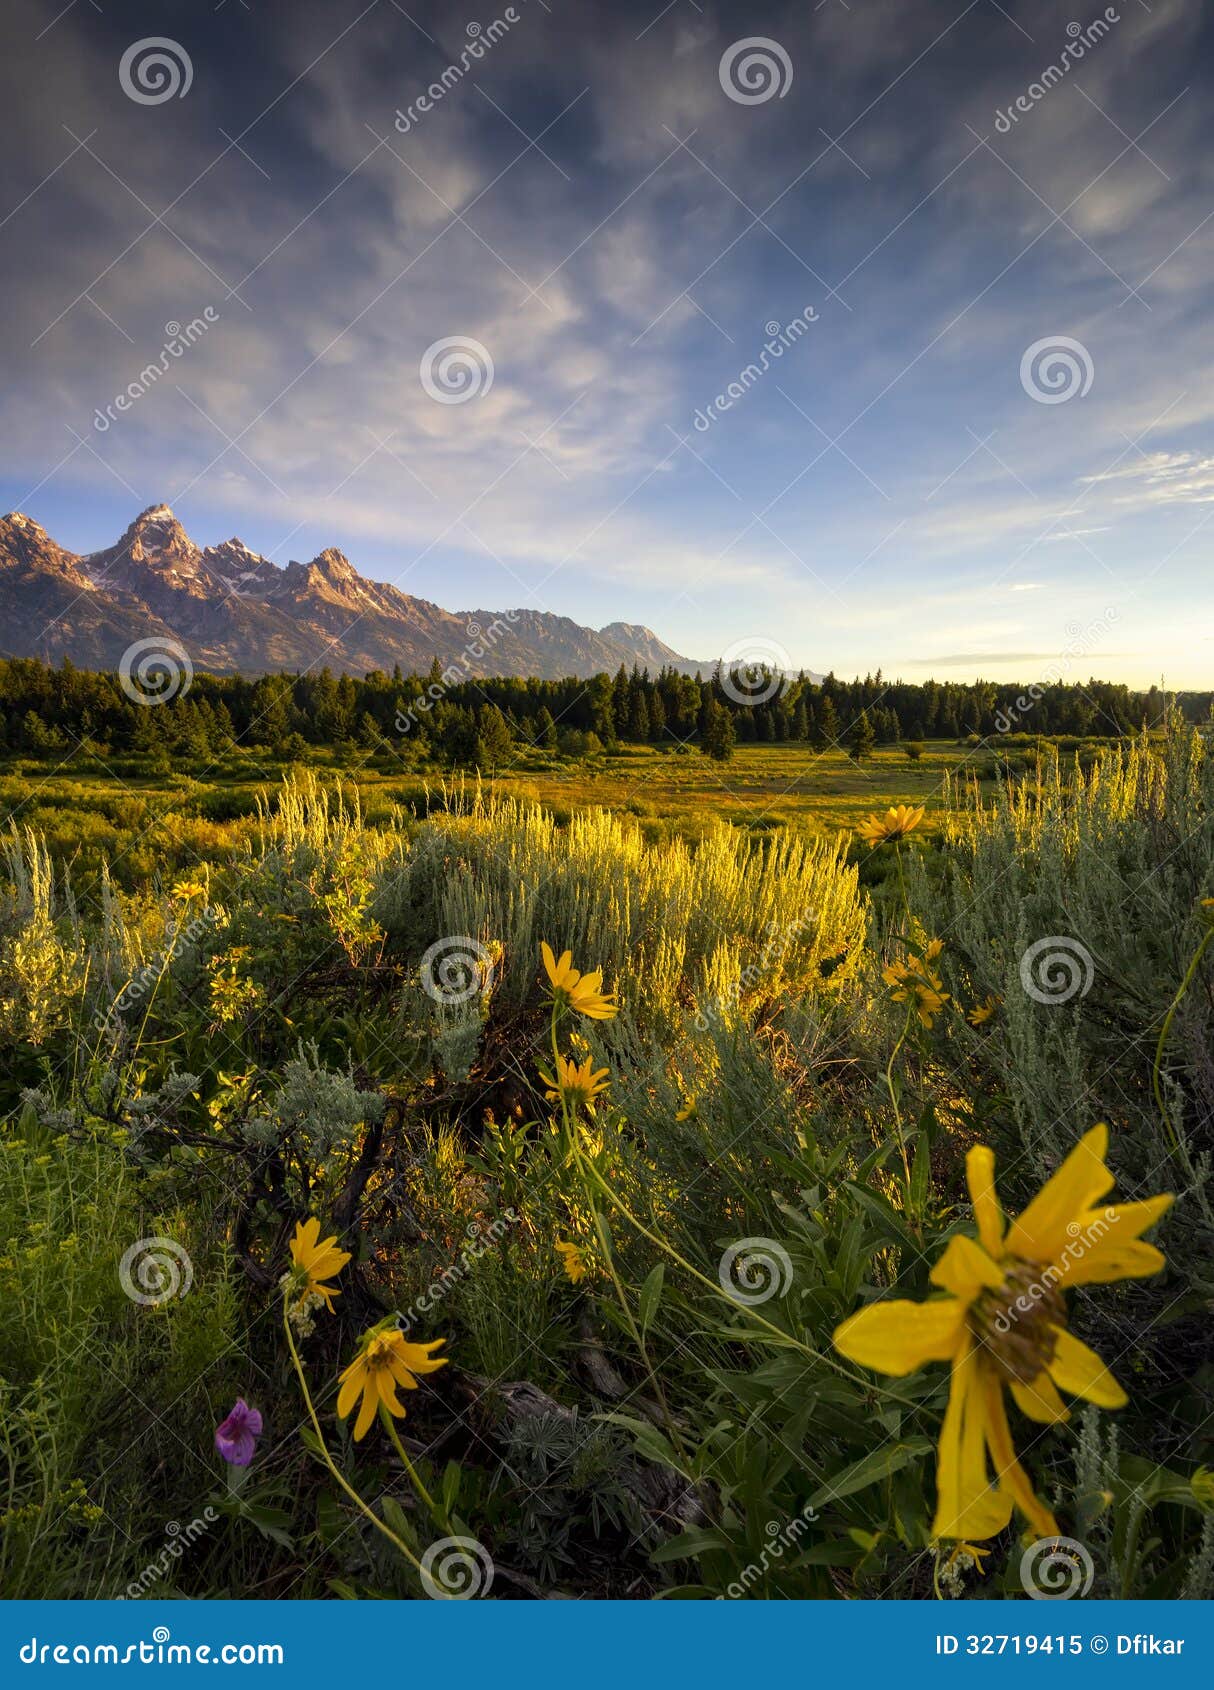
235	612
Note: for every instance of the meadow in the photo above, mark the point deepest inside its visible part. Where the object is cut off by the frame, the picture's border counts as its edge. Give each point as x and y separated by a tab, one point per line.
620	1177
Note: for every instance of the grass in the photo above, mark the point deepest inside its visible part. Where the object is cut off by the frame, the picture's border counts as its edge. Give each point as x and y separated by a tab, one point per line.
333	1005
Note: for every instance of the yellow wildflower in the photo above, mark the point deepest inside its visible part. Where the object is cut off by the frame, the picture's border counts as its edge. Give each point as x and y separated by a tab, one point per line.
895	824
575	1083
315	1260
916	984
983	1011
573	1261
1002	1323
581	992
187	889
687	1112
385	1360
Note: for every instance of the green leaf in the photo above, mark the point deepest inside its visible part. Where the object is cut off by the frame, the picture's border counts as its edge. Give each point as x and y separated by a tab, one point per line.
651	1296
871	1469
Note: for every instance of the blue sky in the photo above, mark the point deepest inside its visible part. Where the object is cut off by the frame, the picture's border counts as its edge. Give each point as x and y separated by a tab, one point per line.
618	234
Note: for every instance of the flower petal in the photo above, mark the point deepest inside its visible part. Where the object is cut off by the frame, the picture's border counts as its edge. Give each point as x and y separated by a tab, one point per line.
1040	1233
980	1174
965	1269
898	1336
1011	1476
1107	1246
1040	1401
1081	1372
352	1384
367	1412
967	1505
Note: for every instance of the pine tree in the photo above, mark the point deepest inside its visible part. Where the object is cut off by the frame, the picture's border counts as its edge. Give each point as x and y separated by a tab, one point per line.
862	738
717	741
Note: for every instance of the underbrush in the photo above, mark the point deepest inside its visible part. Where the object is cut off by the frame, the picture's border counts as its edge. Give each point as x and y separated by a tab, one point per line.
635	1217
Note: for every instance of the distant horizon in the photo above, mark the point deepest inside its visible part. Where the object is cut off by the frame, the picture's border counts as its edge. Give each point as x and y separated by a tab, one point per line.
812	671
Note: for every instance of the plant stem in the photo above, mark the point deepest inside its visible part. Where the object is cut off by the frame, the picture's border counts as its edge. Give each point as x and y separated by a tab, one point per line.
328	1459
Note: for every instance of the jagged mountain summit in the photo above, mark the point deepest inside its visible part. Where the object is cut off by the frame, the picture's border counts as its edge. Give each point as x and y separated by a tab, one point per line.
237	612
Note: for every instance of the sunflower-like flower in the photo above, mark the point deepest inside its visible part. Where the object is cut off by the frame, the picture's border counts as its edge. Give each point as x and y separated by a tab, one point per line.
916	983
385	1360
1002	1325
982	1012
895	824
575	1083
573	1260
581	992
314	1260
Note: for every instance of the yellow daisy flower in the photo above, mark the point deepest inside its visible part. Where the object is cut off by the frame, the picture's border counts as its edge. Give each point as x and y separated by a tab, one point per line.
982	1012
187	889
918	985
687	1112
1002	1324
572	1260
385	1360
582	992
895	824
315	1260
575	1083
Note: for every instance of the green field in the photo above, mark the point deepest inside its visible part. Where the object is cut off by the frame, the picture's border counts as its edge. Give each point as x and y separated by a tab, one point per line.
654	1236
92	808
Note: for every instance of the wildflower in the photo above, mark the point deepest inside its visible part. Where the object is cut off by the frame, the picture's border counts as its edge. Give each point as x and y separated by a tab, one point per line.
315	1260
1206	911
236	1436
575	1083
187	889
1003	1324
385	1360
687	1112
916	984
582	992
982	1012
573	1261
895	824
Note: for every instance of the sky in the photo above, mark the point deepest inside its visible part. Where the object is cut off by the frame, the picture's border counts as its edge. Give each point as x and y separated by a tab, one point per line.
864	335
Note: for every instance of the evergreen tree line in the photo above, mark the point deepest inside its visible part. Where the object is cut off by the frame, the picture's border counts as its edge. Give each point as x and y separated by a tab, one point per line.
44	708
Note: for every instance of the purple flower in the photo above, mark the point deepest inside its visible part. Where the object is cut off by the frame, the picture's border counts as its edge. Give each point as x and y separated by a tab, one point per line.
236	1437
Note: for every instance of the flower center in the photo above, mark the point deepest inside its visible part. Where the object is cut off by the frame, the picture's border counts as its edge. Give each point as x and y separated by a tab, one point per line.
1016	1323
